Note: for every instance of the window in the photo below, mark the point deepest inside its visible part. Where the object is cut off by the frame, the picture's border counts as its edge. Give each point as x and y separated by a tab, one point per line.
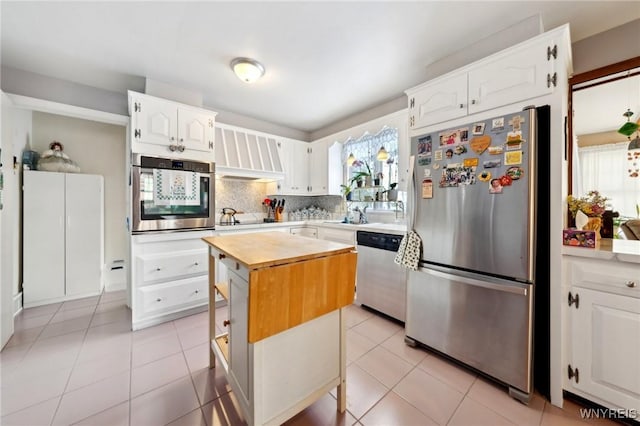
606	168
365	150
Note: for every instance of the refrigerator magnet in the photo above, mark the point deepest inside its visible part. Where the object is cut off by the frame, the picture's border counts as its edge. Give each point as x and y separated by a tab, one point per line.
427	188
427	173
495	187
460	149
497	124
480	144
424	145
437	155
470	162
478	129
514	146
505	180
515	172
495	150
436	166
484	176
512	158
516	122
492	164
424	161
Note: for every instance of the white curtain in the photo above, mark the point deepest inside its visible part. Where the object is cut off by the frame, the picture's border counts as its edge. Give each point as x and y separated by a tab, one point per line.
605	168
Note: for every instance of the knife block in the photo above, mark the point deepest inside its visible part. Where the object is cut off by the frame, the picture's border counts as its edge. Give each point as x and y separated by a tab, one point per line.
278	215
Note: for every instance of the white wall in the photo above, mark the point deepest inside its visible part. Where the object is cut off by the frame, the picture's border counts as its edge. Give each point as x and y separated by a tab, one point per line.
98	148
16	134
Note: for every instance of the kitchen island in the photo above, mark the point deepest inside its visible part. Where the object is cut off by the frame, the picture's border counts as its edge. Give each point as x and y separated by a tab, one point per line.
285	344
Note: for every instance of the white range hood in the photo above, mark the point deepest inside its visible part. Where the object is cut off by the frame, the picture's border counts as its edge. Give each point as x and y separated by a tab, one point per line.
247	154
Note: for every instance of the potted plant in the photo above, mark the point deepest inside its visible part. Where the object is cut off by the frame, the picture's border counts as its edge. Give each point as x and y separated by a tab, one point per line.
346	191
361	176
392	192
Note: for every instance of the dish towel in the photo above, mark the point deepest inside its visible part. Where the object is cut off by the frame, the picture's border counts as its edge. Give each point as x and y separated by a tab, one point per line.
176	188
410	250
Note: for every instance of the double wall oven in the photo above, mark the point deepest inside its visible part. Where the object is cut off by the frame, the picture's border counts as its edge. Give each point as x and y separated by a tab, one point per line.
170	194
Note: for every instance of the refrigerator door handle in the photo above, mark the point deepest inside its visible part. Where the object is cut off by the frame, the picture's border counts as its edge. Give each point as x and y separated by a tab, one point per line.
523	291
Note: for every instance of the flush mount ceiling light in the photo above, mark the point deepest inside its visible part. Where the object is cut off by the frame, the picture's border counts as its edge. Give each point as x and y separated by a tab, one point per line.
247	70
382	154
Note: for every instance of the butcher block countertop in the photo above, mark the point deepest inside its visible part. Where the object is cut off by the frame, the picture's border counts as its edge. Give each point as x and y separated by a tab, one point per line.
265	249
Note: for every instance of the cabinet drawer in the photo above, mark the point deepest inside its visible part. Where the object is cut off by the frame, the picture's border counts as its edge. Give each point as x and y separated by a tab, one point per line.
305	231
233	265
173	296
157	267
610	276
338	235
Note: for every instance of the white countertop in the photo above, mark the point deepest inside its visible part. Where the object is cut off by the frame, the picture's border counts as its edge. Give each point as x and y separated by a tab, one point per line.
608	249
389	228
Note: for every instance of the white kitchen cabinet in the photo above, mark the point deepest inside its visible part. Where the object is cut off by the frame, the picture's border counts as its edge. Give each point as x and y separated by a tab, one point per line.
312	168
337	235
603	345
246	153
524	71
63	236
166	128
169	276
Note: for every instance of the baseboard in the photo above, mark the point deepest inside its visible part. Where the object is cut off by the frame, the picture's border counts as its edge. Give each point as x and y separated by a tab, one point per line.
17	304
115	287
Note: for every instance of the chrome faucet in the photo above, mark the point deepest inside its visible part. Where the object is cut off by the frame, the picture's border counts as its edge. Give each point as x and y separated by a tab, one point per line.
363	214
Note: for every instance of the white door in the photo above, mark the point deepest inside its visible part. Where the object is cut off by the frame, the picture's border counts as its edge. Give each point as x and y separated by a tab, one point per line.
155	121
43	237
606	347
299	162
318	157
84	235
438	102
515	77
195	130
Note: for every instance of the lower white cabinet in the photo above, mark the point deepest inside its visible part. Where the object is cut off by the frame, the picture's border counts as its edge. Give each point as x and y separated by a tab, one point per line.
603	346
169	277
337	235
63	221
305	231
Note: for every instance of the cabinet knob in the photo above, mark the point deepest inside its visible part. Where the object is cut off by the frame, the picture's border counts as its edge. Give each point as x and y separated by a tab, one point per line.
159	299
461	106
158	269
172	147
226	323
181	139
237	266
221	256
630	284
172	138
196	264
197	291
473	101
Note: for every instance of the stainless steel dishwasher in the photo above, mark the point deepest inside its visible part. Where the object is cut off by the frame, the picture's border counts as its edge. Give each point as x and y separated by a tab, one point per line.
381	284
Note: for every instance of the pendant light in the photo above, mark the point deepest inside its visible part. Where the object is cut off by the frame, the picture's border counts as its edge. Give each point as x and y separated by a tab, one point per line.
351	159
247	69
382	154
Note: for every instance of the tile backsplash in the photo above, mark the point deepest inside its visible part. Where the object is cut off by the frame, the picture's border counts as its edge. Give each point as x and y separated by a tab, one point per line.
247	196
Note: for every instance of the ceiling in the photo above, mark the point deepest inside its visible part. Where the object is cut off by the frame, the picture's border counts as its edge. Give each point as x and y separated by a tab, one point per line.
324	61
599	108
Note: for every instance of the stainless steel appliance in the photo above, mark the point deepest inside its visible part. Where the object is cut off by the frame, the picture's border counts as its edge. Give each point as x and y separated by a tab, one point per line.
481	209
381	283
172	194
228	216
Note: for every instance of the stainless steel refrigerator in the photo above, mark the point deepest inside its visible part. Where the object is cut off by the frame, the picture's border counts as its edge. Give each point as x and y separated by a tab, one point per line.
479	199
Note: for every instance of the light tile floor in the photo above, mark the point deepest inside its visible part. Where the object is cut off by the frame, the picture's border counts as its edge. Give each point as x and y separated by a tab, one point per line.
78	363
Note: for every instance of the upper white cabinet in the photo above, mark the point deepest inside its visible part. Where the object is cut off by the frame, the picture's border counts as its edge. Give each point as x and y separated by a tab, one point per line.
166	128
246	153
312	168
602	308
521	72
63	236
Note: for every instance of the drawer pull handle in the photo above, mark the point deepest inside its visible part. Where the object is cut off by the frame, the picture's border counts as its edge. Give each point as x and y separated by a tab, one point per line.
226	323
221	256
630	284
571	300
159	299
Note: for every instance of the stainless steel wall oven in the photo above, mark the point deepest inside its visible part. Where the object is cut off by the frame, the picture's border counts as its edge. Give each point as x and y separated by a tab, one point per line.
170	194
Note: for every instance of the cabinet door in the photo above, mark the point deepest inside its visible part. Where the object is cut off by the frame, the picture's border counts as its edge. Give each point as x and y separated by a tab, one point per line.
155	121
84	234
441	101
512	78
195	129
606	347
298	175
43	239
318	168
238	332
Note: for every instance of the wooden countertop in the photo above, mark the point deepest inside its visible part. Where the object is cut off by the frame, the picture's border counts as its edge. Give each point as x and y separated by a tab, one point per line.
264	249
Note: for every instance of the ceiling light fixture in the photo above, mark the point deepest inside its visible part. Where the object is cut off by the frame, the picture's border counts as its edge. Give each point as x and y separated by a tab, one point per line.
247	69
382	154
351	159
